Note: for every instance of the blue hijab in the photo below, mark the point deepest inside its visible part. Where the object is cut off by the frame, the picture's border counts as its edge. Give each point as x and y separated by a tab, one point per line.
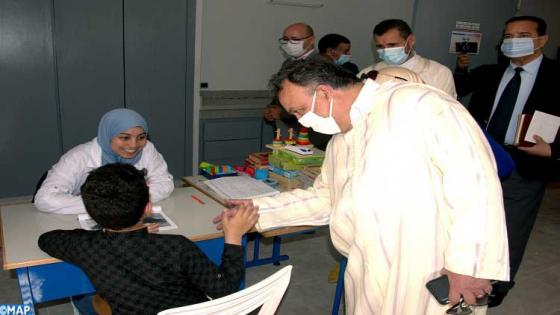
113	123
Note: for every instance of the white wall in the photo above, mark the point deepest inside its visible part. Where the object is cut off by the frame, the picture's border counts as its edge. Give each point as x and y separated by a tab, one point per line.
549	10
240	49
435	19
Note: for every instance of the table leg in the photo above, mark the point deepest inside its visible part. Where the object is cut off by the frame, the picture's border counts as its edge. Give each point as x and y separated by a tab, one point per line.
256	246
25	289
275	258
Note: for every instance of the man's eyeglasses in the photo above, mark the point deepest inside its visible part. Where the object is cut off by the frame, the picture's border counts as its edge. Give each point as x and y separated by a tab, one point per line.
291	40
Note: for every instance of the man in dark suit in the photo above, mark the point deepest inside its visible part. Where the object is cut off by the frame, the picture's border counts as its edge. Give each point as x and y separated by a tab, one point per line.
501	92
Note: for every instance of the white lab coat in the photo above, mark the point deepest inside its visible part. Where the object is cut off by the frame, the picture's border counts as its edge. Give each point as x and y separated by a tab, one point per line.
412	188
60	192
431	72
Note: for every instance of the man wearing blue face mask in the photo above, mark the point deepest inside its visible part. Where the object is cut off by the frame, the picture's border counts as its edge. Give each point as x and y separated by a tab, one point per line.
395	41
501	92
336	48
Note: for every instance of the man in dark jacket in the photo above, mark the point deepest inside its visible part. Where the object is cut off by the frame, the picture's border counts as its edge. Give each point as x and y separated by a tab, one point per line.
500	93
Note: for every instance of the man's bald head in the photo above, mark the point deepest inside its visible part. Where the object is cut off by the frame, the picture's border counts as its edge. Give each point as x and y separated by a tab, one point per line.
298	30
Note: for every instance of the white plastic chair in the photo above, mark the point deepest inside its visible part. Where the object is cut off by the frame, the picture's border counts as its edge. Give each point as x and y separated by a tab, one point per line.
268	293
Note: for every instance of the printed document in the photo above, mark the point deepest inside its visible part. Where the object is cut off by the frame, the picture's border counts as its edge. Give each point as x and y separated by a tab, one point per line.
240	187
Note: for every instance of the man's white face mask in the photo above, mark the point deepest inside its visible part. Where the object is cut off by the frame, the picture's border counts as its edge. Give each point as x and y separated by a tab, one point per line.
294	49
325	125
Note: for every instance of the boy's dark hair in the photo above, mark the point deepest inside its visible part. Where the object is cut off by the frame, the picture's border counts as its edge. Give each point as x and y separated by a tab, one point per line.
115	195
386	25
310	73
541	24
331	41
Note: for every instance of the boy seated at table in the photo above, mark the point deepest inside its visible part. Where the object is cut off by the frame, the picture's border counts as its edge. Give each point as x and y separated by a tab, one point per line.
138	272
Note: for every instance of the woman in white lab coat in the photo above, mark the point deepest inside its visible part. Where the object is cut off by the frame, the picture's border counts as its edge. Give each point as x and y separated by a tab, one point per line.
122	137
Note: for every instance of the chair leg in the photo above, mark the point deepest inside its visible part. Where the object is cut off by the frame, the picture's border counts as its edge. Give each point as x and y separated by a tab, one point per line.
339	286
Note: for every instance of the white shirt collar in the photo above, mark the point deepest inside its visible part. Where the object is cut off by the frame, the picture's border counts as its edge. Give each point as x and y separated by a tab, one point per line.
363	103
410	63
531	68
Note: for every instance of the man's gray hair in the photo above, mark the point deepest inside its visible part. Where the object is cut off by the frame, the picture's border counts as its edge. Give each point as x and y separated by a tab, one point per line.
310	73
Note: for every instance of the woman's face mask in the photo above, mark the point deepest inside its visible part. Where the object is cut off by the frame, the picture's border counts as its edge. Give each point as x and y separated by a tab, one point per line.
325	125
518	47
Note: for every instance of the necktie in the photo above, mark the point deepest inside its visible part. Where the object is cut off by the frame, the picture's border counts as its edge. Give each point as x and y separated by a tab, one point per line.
502	115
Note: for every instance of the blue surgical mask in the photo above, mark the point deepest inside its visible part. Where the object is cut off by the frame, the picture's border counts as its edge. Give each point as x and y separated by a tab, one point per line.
518	47
393	55
343	59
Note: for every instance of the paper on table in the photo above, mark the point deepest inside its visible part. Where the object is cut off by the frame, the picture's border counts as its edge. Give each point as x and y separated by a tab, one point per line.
240	187
544	125
157	216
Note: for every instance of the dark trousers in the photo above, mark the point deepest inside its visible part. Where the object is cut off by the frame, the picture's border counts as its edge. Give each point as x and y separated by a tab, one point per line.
522	200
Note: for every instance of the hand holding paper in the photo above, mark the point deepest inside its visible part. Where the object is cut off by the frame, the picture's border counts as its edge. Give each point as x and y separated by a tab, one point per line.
535	132
544	125
541	148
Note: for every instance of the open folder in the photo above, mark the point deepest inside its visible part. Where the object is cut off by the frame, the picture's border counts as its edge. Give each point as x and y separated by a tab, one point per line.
240	187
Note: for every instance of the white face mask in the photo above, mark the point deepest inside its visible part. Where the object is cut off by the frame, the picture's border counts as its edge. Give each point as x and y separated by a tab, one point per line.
325	125
518	47
294	49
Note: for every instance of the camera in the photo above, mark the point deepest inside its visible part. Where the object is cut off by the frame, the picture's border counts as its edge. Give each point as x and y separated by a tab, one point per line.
466	47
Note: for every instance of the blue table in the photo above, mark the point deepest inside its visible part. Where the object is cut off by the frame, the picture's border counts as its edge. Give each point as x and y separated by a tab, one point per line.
42	278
